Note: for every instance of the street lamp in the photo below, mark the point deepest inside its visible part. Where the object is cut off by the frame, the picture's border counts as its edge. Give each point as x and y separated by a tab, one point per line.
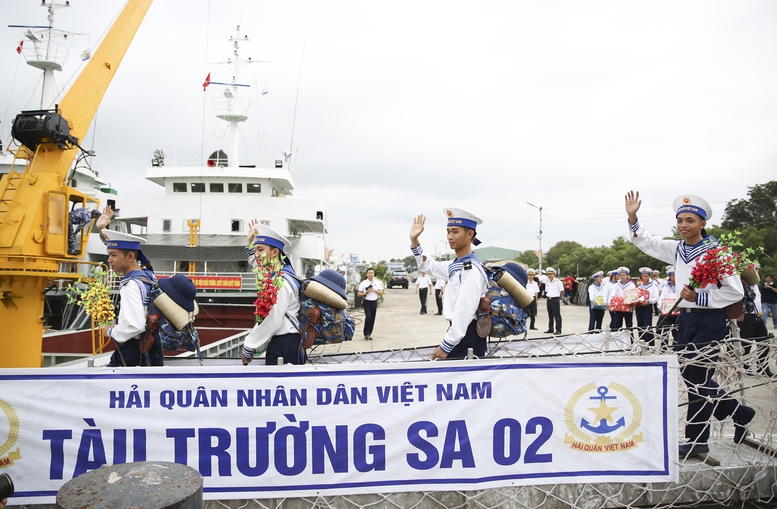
539	236
577	265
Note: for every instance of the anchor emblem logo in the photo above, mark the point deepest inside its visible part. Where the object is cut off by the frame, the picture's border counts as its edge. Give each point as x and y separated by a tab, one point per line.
603	414
615	423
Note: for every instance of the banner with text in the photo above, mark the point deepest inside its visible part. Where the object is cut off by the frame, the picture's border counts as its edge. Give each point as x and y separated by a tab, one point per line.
285	431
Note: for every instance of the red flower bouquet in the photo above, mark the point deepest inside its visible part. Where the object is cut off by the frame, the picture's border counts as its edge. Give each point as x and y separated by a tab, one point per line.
713	266
718	262
721	261
268	282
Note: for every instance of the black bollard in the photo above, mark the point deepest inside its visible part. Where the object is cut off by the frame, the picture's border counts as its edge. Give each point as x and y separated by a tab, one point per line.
147	484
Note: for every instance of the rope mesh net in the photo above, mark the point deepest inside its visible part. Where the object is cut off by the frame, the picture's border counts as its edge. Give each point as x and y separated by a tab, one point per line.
732	474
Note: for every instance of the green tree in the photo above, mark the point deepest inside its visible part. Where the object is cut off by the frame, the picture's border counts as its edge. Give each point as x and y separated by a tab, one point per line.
759	209
529	257
562	253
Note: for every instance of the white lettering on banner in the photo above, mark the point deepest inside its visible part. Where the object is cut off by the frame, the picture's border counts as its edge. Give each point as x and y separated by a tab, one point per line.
269	431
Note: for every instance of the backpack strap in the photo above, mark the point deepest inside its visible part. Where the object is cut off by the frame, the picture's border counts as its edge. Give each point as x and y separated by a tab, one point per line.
293	280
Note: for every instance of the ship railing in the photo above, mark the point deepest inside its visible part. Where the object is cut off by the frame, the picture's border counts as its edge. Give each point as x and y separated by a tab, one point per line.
49	55
228	349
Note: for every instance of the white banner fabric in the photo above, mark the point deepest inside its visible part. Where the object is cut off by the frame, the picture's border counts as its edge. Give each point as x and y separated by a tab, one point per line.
287	431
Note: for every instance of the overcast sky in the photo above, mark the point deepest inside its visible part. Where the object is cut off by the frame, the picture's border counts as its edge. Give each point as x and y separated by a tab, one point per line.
407	107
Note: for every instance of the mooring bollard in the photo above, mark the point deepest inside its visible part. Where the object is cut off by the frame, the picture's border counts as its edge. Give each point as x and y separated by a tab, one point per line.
147	484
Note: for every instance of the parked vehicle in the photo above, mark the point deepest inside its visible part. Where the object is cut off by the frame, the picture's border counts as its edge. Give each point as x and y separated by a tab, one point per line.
399	278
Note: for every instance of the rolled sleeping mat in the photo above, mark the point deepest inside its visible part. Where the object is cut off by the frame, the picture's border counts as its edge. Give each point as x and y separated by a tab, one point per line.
321	293
175	314
520	294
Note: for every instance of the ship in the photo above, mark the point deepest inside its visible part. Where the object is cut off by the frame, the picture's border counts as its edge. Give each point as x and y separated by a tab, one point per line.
196	224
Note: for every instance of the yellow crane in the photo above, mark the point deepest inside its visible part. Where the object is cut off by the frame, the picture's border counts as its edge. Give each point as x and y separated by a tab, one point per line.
35	205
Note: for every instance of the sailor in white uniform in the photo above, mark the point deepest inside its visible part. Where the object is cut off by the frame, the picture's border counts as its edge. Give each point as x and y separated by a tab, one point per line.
644	310
597	307
702	322
279	330
466	278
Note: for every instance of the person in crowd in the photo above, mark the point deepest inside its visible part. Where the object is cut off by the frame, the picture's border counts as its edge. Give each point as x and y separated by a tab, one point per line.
648	296
543	280
612	280
658	282
370	290
125	257
702	322
422	285
467	282
554	289
753	331
598	302
622	297
439	289
533	288
280	328
667	299
769	300
569	286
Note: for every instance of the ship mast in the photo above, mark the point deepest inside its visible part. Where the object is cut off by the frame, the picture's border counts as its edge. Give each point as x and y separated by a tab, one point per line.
232	108
45	54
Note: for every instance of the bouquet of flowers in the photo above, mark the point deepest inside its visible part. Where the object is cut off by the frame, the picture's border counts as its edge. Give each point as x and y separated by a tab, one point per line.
268	282
95	297
721	261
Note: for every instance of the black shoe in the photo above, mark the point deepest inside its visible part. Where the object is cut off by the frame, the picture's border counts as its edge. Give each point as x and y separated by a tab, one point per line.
741	418
438	313
532	328
549	331
690	451
366	338
558	332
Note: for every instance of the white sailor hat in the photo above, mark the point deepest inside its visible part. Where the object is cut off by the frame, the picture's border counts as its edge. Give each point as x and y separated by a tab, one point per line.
597	274
121	240
550	269
613	272
530	271
670	270
694	204
623	270
645	271
269	237
460	217
656	271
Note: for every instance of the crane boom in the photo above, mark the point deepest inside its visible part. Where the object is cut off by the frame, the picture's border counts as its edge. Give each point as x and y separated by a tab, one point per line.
35	206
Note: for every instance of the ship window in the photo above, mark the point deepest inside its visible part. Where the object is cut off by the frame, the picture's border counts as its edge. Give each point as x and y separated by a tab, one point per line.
237	225
198	187
179	187
235	188
254	188
167	225
217	188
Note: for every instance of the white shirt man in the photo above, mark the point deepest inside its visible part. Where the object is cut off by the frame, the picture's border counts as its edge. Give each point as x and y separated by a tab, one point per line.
422	285
554	289
369	290
439	289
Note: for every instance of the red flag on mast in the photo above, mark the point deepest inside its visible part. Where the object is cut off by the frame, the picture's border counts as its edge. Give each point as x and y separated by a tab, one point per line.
207	82
19	47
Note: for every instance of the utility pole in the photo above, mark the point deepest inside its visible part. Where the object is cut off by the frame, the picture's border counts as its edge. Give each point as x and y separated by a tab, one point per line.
539	236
